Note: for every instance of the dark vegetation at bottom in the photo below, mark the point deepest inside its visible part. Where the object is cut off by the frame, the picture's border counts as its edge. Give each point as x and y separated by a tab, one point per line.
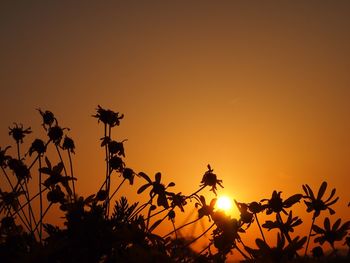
105	227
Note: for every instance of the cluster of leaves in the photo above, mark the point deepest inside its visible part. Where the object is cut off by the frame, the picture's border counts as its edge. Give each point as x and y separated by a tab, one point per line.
95	229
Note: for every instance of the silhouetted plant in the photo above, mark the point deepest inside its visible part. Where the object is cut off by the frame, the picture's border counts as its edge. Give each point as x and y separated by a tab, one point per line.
90	233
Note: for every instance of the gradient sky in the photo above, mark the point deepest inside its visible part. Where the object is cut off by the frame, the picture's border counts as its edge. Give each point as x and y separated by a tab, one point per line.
258	89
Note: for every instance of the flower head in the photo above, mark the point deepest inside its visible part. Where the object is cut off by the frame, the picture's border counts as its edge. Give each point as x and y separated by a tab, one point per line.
331	234
37	146
3	157
276	204
18	133
210	179
316	204
48	118
108	117
68	144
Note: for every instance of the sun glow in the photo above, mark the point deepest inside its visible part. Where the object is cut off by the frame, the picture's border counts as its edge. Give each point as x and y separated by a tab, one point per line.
224	203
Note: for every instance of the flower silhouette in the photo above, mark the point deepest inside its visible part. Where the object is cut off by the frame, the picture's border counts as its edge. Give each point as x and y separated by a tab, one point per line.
277	205
157	189
210	179
331	234
129	174
205	210
108	117
37	146
18	133
316	204
55	134
178	200
55	176
3	157
68	144
285	227
20	169
48	118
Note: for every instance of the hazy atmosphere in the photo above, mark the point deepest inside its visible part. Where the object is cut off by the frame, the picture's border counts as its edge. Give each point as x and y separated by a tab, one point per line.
257	89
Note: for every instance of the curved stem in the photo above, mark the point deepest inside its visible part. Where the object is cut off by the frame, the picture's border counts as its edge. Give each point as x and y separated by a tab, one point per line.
200	189
261	231
71	172
194	240
308	238
44	214
41	201
116	190
189	223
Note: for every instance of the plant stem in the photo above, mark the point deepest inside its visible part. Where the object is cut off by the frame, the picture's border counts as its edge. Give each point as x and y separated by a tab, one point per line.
116	190
41	201
71	172
194	240
257	221
308	238
42	217
189	223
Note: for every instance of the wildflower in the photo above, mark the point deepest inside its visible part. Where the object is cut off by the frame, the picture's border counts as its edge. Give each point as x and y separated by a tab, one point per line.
68	144
157	189
205	210
55	134
116	163
129	174
280	253
48	118
317	252
331	234
10	199
285	227
20	169
115	147
210	179
178	200
276	204
316	204
108	117
256	207
3	157
101	195
18	133
55	195
55	176
37	146
245	216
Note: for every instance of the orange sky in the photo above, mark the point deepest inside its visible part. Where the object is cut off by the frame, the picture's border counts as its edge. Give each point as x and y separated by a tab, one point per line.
260	91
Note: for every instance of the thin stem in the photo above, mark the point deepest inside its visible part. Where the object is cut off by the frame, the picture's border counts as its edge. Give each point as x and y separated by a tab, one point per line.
41	201
189	223
64	167
200	189
157	213
26	203
194	240
44	214
116	190
261	231
141	207
71	172
308	238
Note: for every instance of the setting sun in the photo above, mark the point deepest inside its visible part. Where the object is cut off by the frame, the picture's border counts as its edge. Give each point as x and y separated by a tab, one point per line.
224	203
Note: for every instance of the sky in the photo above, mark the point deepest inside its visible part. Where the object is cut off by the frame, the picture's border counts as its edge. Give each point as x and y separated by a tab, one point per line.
258	89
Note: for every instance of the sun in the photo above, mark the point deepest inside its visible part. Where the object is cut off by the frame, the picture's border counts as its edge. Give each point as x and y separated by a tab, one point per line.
224	203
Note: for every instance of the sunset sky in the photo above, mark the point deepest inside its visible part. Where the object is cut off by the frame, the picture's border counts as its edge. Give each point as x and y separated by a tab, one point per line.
258	89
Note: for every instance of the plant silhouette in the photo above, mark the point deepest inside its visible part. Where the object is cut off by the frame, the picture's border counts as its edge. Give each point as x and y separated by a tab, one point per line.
105	227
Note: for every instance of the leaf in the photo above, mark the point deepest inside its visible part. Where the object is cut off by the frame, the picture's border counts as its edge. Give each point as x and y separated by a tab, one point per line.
322	190
155	225
145	176
317	229
48	162
292	200
158	177
143	188
171	184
